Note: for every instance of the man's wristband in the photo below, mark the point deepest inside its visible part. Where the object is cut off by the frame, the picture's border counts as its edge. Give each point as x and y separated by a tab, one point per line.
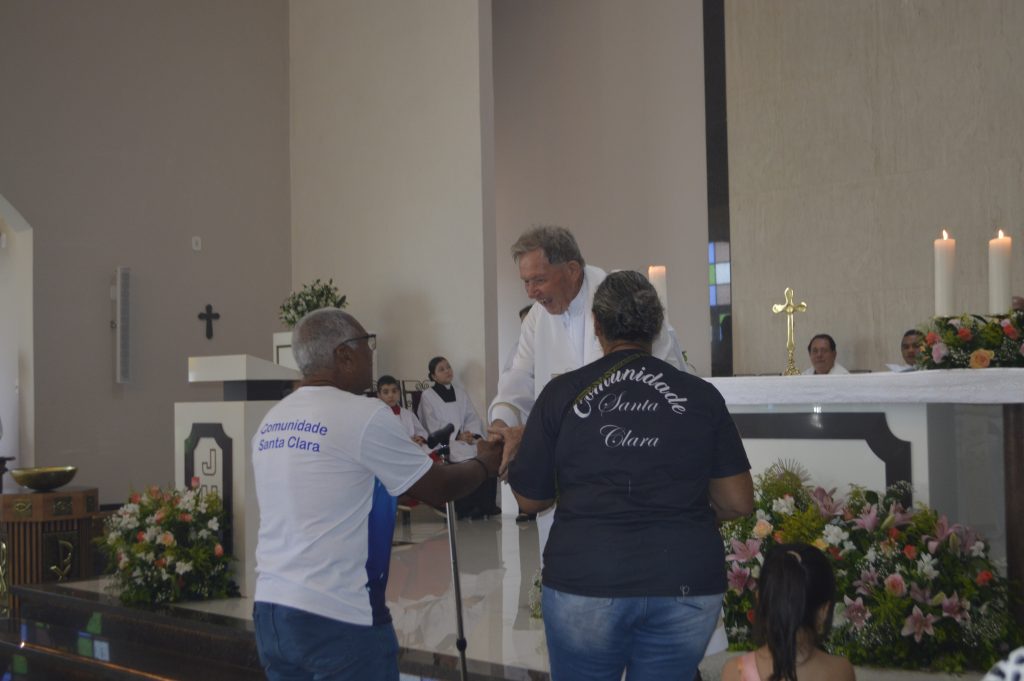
487	473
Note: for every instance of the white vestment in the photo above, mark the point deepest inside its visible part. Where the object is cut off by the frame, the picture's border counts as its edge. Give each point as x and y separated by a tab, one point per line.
435	414
546	350
413	426
837	370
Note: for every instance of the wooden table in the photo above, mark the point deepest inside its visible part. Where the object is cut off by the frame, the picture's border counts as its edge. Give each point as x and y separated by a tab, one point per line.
45	537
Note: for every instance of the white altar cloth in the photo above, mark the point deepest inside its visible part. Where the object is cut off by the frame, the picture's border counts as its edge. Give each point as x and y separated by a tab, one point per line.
951	418
944	386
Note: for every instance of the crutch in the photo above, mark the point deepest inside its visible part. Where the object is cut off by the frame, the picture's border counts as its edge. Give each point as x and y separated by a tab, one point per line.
441	437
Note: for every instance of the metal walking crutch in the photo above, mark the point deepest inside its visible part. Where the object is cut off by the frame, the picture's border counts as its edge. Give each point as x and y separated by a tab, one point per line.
441	437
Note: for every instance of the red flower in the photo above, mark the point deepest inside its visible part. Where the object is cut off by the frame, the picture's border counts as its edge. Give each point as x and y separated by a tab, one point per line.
195	482
140	537
218	550
910	551
778	535
185	517
963	333
894	533
834	550
160	562
750	615
932	338
1009	329
135	498
983	578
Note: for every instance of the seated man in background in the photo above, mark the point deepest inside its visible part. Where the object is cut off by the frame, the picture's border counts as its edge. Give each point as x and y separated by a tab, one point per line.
822	351
910	346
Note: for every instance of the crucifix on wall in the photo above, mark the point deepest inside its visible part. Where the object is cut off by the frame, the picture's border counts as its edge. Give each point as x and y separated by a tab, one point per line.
208	317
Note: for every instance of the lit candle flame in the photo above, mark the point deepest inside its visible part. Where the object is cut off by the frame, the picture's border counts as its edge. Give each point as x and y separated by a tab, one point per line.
945	235
1000	234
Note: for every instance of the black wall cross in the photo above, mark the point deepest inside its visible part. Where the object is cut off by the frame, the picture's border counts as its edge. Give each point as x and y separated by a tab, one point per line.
208	317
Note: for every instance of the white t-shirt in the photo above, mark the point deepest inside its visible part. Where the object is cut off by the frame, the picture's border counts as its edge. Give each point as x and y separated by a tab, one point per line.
327	466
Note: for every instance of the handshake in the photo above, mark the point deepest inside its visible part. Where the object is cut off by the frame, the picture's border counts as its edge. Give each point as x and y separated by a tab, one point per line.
504	440
495	452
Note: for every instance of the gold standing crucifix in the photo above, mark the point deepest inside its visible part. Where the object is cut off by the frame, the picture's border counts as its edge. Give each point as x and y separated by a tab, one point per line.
790	308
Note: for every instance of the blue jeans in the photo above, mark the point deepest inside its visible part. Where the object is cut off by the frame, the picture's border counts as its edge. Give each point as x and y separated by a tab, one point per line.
651	637
297	645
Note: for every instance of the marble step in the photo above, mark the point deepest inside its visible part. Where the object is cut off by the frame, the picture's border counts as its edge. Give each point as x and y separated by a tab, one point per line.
150	639
43	651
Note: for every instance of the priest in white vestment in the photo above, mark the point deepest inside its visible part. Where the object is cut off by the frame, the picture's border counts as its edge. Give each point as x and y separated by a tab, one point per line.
558	333
822	351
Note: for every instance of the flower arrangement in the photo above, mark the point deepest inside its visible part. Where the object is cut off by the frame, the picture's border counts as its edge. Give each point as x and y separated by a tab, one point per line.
312	297
973	341
164	546
913	590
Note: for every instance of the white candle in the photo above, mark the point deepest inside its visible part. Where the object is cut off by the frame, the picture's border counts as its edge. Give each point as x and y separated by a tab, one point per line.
945	275
657	276
999	250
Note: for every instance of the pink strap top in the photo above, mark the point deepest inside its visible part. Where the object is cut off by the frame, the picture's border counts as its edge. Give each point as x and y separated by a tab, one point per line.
748	668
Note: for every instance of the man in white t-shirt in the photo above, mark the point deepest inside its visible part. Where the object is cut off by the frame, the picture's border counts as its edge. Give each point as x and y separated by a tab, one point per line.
328	465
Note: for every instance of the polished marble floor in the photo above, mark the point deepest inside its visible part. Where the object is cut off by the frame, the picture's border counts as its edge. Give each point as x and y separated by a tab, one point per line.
498	562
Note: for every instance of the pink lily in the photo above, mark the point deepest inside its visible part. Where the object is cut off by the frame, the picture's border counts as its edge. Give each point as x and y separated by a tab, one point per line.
868	519
942	531
856	612
739	578
897	517
868	580
954	608
918	624
827	505
744	551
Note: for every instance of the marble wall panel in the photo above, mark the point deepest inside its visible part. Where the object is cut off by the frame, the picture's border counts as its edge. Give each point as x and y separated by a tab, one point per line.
857	131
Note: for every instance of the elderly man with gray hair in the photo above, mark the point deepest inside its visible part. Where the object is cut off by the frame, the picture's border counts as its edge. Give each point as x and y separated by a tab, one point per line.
557	336
328	464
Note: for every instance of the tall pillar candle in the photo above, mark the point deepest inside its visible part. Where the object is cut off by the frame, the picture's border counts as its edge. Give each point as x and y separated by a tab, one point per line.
945	275
999	251
657	276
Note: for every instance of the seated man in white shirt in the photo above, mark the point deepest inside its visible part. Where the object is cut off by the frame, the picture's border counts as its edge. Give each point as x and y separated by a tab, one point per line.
910	346
822	351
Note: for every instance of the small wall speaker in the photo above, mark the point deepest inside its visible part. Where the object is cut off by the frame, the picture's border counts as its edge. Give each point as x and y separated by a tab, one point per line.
122	325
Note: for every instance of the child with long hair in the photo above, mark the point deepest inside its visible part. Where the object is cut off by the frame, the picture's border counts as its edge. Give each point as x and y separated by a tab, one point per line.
793	615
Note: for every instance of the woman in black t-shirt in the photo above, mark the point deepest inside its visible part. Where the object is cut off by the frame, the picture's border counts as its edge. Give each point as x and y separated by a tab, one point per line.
644	461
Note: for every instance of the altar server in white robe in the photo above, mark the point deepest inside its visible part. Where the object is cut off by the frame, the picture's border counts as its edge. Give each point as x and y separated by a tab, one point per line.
445	403
557	334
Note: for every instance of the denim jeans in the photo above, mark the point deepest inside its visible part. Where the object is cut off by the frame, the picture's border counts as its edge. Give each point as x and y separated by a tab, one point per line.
650	637
294	644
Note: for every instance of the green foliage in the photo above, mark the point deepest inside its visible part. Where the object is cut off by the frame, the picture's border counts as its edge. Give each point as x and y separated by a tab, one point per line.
803	526
312	297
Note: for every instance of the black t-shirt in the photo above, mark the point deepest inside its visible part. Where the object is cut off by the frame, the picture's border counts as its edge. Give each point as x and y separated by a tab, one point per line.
627	444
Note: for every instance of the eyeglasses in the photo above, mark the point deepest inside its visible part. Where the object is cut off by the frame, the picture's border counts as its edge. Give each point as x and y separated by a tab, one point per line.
370	338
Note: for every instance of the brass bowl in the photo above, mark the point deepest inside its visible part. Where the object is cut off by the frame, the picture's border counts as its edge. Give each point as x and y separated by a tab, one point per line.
45	478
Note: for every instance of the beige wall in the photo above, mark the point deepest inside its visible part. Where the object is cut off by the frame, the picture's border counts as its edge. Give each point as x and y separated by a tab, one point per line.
16	366
857	131
390	157
599	127
126	129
